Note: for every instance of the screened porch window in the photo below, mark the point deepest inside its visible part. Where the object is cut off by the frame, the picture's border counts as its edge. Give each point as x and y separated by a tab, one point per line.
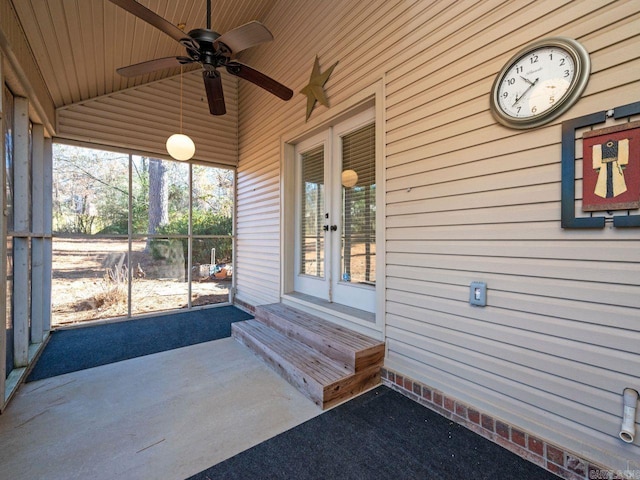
136	234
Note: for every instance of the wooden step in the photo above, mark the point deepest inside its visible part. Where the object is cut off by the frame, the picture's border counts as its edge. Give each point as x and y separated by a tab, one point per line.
322	379
356	350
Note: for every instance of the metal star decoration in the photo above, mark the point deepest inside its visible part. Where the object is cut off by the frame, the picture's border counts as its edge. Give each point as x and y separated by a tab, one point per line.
314	89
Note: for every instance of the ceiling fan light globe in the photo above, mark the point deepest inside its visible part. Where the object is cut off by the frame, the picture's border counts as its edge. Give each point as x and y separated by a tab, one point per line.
180	147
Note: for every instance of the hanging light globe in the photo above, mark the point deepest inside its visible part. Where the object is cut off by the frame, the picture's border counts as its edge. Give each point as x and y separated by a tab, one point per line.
180	147
349	178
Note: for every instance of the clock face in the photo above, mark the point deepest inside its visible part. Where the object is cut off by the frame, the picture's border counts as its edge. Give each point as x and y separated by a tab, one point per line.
540	83
536	82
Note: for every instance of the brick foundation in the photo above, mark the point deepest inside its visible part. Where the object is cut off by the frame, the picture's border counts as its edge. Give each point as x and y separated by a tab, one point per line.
555	459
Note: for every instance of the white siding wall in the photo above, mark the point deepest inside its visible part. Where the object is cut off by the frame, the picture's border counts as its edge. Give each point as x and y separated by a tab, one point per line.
468	199
142	118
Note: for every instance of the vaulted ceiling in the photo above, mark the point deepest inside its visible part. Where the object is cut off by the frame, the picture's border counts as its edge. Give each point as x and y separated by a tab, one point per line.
78	44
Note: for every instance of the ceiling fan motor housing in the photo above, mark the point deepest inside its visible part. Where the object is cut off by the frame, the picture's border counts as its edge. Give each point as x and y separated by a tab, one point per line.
210	54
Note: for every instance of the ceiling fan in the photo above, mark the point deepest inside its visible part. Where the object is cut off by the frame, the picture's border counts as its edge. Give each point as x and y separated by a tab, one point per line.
211	50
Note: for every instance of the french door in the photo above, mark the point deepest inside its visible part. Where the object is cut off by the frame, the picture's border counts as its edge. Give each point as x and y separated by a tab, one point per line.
336	214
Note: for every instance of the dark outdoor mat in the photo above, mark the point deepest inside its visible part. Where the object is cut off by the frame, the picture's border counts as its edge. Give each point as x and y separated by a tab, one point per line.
379	435
76	349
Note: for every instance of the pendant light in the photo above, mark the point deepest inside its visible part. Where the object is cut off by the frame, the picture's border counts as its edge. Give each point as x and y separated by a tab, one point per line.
349	178
179	145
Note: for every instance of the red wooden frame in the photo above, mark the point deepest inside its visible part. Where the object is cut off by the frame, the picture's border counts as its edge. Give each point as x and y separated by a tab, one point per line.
611	168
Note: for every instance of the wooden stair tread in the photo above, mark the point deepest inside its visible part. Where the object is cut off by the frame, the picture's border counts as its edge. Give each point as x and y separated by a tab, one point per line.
355	349
326	362
349	338
312	364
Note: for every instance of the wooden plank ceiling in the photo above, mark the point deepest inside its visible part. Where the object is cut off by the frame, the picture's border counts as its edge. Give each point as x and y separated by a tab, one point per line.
78	44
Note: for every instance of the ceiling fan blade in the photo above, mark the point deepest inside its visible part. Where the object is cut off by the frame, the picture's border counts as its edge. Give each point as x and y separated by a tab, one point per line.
215	95
143	13
260	79
245	36
152	66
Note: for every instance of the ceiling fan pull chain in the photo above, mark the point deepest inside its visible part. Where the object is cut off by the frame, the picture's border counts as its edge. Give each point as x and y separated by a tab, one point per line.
181	68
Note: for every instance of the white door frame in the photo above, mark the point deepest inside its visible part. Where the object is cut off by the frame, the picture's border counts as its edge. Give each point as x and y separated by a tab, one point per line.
370	96
330	286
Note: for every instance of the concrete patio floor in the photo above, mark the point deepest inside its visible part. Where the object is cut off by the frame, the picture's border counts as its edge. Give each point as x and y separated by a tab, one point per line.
168	415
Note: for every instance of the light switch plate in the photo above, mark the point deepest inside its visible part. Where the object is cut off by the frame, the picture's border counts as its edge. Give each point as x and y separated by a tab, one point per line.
478	294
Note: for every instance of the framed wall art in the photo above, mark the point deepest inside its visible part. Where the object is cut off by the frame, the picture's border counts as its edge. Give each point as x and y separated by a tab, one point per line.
610	170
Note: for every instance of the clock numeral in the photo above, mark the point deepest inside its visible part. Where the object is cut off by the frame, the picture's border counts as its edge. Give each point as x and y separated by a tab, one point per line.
552	100
534	109
519	108
505	95
534	59
567	73
511	81
519	69
562	61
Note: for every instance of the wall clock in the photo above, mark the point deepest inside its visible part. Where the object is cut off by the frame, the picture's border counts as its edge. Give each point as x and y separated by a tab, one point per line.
540	82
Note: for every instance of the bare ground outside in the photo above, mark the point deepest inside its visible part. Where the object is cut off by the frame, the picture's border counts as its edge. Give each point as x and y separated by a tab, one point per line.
90	280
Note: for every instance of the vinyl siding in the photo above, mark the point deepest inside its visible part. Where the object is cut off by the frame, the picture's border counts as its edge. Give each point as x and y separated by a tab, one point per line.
142	118
467	199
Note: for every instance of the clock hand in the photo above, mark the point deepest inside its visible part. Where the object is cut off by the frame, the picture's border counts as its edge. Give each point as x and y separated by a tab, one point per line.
527	80
532	84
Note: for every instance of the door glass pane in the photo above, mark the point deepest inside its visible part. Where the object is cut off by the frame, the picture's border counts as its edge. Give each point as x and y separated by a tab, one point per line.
312	213
358	252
